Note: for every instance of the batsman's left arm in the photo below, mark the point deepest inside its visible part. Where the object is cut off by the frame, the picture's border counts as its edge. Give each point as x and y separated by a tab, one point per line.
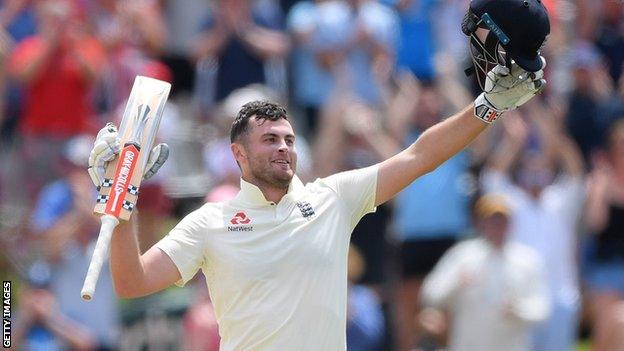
505	89
436	145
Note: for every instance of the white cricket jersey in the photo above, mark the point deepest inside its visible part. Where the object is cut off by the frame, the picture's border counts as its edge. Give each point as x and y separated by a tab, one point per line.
277	273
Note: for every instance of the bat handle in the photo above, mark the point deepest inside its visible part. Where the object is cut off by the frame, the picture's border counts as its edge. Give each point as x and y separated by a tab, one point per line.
100	253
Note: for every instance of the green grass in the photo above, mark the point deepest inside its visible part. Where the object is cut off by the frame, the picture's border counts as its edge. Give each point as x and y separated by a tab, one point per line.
582	345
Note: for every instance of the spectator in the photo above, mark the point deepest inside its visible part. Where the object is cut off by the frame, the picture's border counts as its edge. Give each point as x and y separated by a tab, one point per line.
432	213
64	222
611	110
352	136
340	46
605	219
447	39
133	34
591	88
241	39
493	288
18	18
136	24
17	22
545	212
365	320
5	49
184	179
57	69
311	82
417	48
200	328
41	325
609	37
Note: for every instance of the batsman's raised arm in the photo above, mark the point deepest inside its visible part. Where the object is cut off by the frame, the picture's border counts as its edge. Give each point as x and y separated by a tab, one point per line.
136	275
133	274
509	69
436	145
505	89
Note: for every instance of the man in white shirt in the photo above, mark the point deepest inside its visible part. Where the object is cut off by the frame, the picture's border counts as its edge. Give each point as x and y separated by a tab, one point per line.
493	289
546	208
275	257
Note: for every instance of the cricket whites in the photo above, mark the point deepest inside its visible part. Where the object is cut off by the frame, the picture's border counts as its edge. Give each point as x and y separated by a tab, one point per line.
119	190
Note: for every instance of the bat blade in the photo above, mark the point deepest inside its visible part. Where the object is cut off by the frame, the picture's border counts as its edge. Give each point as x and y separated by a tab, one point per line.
122	179
119	192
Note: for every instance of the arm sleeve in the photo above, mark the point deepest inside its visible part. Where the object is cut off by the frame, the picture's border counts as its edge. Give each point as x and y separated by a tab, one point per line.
357	190
185	246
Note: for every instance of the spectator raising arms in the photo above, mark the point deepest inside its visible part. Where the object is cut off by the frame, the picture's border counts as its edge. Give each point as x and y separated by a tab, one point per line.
57	69
545	211
340	46
240	37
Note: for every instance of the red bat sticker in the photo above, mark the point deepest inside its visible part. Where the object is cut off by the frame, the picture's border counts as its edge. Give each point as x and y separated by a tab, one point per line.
125	168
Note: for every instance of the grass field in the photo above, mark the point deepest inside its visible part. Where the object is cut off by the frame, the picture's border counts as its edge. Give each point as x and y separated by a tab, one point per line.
582	345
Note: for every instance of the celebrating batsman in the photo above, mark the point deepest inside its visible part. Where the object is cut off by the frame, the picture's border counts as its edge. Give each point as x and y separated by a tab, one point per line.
275	256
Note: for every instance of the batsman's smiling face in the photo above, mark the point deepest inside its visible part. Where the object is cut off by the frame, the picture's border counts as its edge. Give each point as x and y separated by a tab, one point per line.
270	157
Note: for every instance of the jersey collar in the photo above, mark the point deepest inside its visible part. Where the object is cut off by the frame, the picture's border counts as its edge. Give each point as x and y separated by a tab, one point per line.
250	194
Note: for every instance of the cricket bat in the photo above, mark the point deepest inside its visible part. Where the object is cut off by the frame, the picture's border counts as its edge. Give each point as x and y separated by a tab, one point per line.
119	191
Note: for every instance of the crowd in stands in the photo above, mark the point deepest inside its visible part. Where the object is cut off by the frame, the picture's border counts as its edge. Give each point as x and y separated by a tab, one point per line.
516	243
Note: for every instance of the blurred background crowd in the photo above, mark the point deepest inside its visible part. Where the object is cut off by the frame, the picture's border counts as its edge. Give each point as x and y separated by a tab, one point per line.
536	263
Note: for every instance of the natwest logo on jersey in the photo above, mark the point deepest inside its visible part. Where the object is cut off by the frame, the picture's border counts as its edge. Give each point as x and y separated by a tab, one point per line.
240	218
240	221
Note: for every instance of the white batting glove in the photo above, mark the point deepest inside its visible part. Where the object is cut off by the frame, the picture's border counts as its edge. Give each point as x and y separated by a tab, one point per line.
107	146
506	90
157	157
105	149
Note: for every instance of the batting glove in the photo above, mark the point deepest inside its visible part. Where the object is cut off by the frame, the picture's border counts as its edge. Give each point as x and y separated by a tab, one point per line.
506	90
107	146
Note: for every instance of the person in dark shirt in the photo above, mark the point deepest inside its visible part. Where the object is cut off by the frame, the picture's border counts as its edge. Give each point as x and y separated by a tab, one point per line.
605	218
239	38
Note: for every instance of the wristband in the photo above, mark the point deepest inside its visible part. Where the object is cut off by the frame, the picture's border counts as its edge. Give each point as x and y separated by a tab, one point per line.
484	110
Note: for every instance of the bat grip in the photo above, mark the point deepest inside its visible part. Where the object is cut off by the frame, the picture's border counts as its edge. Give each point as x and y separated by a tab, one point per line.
100	253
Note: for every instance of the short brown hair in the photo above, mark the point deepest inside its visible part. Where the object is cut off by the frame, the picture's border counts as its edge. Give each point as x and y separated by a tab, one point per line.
263	110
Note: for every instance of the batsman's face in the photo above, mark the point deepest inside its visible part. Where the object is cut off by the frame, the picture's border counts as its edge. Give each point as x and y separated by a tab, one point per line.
268	156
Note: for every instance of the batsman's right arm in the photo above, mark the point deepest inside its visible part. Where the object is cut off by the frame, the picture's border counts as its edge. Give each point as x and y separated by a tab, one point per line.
136	275
133	274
